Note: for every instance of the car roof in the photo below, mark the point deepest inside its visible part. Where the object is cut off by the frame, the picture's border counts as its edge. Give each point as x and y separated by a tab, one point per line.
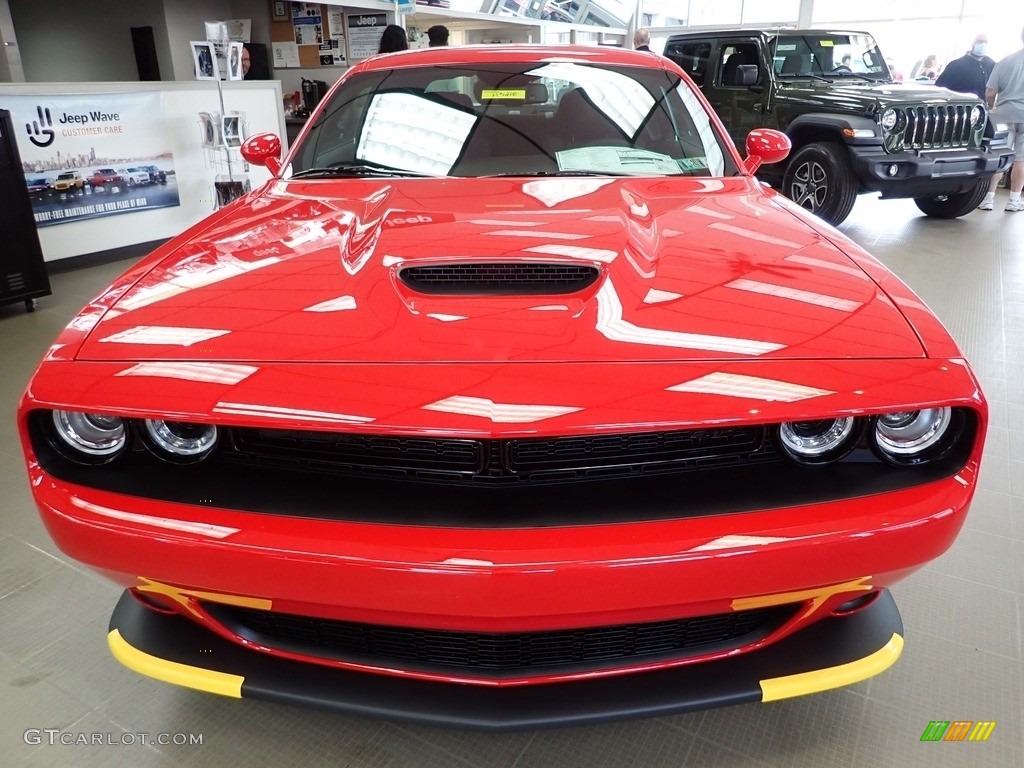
485	54
767	32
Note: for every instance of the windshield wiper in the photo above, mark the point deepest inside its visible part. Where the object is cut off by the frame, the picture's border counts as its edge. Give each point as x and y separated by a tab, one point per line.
859	76
341	170
803	75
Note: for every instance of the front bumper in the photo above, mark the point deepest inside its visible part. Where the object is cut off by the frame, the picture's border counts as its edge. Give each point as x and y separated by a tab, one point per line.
530	579
834	652
926	173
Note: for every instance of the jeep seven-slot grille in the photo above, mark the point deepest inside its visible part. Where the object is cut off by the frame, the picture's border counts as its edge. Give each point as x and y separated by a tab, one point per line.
501	653
526	460
499	279
937	127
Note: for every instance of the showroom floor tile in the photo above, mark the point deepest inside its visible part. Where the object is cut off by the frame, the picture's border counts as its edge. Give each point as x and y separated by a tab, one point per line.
962	661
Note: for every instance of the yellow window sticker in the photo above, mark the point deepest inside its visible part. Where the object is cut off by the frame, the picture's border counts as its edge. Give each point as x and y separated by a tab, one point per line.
504	93
826	43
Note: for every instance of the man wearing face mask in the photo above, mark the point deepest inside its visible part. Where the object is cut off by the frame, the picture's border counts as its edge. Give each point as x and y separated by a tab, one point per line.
970	72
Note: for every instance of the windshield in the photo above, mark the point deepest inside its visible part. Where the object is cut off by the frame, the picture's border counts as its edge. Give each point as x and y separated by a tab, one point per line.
830	54
513	119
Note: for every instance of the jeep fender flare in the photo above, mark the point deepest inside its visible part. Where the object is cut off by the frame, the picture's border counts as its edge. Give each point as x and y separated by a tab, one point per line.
823	126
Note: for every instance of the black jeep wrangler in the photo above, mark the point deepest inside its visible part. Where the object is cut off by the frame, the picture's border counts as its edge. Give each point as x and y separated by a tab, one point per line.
853	129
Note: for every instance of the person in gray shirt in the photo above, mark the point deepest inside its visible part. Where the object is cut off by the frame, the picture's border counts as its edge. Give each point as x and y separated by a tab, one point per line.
1004	93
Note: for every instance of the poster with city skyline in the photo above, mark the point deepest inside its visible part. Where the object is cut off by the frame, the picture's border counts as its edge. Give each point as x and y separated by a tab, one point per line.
90	156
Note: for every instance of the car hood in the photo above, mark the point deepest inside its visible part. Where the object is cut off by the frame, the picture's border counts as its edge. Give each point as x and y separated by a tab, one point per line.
860	97
689	269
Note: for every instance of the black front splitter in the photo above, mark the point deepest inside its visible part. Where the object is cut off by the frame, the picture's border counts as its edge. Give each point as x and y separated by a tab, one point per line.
833	652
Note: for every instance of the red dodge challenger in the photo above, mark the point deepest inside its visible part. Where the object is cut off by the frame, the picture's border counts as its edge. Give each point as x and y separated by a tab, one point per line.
513	399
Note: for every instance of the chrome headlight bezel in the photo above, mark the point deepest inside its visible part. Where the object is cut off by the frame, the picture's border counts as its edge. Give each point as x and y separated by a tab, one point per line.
88	438
889	119
914	437
818	441
178	441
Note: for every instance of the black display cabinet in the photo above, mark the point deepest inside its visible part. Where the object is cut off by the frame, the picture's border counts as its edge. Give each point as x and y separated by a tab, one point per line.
22	269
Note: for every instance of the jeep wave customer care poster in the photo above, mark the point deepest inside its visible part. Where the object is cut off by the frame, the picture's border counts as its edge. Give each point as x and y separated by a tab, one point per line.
96	155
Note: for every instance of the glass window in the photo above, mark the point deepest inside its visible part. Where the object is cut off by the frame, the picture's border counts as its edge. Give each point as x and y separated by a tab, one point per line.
692	58
732	56
513	119
853	55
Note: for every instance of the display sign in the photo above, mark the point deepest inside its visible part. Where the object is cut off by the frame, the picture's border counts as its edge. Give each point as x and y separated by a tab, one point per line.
308	24
364	33
90	156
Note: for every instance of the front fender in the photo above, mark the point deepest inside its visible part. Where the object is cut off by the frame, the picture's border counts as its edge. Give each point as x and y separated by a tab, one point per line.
851	128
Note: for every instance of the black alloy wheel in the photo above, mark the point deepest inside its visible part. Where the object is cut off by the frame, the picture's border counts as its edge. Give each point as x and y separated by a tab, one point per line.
819	178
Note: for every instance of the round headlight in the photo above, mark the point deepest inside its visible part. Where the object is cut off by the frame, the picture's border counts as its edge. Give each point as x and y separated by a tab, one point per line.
180	441
889	118
818	441
975	115
906	436
92	437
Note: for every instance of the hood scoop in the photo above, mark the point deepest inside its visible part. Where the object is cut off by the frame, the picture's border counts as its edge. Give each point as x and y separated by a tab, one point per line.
515	278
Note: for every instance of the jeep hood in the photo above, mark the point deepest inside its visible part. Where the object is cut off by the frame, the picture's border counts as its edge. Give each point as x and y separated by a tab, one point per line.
687	269
854	96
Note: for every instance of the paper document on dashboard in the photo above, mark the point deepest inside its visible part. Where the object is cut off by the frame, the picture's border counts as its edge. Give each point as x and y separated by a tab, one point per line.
615	159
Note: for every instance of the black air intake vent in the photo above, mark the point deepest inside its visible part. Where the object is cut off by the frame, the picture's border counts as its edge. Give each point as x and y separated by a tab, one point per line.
499	279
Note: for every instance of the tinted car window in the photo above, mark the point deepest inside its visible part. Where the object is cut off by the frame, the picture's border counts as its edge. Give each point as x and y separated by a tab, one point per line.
557	117
692	58
828	54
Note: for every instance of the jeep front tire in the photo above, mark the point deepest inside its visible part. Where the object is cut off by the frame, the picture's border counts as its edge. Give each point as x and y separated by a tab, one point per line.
820	179
955	205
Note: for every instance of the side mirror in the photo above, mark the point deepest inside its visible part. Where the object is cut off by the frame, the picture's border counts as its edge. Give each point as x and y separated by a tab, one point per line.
766	146
263	149
746	74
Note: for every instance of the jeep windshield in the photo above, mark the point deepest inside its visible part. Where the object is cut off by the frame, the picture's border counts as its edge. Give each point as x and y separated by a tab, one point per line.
833	55
512	118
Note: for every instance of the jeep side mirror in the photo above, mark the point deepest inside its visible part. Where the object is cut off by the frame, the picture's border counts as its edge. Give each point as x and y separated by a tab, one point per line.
746	74
766	146
263	149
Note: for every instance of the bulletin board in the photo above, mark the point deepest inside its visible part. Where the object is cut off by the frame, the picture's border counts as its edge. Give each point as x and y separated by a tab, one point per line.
308	35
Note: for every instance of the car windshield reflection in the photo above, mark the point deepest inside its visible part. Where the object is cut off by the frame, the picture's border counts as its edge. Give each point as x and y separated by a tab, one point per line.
516	118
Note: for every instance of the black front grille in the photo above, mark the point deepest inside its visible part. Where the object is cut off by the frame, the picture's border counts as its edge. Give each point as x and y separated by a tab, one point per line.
938	127
521	461
499	279
493	654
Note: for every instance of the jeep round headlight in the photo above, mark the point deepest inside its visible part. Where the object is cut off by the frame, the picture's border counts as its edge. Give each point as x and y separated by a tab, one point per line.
889	118
975	115
91	437
818	441
906	437
180	441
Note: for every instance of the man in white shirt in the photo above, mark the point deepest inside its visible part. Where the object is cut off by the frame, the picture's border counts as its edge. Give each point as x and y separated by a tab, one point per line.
1004	93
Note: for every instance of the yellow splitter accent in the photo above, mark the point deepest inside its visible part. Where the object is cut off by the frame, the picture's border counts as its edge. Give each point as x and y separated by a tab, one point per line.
172	671
787	687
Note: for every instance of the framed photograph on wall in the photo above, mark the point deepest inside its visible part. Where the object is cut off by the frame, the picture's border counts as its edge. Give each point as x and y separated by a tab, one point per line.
205	59
279	10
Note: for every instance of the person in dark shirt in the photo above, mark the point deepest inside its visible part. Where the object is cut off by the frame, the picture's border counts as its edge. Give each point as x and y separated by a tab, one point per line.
393	39
438	36
970	72
642	39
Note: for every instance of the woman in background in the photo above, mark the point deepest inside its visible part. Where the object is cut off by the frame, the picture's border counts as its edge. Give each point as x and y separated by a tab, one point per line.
393	39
